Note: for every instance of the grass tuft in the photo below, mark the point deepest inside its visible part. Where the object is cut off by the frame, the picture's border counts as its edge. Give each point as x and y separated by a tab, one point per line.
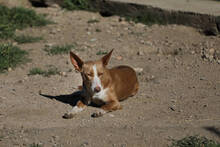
194	141
26	39
52	70
101	53
11	56
93	21
35	145
18	18
55	50
76	5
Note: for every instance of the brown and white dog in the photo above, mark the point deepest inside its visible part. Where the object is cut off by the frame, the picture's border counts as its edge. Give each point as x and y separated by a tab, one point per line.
102	86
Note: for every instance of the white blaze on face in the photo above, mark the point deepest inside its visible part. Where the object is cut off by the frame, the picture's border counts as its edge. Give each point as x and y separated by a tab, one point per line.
96	82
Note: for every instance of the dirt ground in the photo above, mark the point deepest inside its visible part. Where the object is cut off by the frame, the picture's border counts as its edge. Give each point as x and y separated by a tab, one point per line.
179	85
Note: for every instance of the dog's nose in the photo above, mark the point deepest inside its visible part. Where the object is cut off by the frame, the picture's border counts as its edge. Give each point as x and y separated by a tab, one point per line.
97	89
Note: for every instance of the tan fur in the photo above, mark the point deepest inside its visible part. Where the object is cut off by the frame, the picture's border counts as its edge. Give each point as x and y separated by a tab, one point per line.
121	82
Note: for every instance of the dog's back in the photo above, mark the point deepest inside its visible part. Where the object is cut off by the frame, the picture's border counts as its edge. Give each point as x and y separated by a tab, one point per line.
125	81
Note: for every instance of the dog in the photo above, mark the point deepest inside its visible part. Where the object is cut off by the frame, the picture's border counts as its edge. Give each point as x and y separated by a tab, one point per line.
102	86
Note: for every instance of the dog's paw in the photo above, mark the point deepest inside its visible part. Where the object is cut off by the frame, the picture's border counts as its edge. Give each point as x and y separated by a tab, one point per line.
68	115
98	114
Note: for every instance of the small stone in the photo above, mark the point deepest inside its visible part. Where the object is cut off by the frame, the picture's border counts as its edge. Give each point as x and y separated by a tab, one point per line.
93	39
9	69
58	29
205	105
63	74
202	78
138	70
53	31
14	43
212	51
142	41
193	52
172	108
141	25
140	53
49	45
119	57
111	115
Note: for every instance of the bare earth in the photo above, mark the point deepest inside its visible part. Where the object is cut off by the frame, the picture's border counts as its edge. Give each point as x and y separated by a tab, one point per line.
179	90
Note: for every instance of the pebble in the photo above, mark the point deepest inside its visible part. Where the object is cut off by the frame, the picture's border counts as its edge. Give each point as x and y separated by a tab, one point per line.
93	39
9	69
202	78
119	58
63	74
49	45
212	51
140	53
138	70
172	108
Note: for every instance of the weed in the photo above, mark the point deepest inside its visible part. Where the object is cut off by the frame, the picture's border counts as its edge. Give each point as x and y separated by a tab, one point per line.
11	56
52	70
93	21
26	39
35	145
98	30
18	18
54	50
101	53
76	5
194	141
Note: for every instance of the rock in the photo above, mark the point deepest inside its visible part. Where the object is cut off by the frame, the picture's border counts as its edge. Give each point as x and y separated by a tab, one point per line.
140	25
138	70
212	51
140	53
172	108
49	45
119	58
202	78
93	39
63	74
9	69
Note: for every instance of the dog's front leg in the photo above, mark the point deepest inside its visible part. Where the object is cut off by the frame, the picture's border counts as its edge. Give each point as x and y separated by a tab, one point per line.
108	107
80	106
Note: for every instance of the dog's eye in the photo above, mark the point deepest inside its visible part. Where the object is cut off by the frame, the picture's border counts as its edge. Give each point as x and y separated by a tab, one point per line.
89	74
100	74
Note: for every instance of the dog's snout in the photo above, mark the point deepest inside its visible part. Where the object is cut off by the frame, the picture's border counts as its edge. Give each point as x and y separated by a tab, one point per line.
97	89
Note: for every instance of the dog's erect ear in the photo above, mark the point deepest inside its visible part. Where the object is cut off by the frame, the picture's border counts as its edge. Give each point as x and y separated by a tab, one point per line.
76	61
106	58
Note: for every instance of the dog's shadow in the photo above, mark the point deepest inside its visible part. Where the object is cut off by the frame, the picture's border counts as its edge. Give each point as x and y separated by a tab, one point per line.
70	99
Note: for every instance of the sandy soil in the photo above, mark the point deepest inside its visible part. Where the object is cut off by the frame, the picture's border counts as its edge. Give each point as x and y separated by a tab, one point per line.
179	85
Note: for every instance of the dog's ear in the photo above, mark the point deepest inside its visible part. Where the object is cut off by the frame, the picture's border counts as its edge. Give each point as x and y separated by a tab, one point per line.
76	61
106	58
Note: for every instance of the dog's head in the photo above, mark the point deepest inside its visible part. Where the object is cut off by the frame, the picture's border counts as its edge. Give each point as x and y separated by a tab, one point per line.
94	73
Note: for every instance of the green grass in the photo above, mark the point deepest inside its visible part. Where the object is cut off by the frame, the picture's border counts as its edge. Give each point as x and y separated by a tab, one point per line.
26	39
194	141
93	21
52	70
55	50
11	56
76	4
98	30
101	53
35	145
18	18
